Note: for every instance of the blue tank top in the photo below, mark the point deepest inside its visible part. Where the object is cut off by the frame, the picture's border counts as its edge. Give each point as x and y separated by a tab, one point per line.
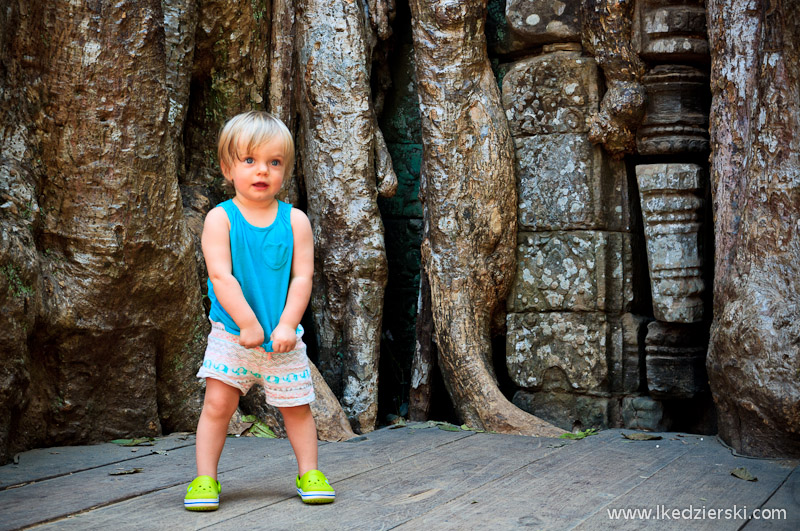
261	259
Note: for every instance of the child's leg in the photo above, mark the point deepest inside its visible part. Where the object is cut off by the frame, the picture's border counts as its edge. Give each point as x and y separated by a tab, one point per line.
302	433
218	407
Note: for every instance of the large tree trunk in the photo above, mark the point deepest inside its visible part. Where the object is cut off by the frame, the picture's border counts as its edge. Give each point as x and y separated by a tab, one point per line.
469	199
118	319
280	100
342	150
754	355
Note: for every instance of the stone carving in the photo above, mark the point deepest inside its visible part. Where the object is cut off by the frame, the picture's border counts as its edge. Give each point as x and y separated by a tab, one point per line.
557	350
673	30
676	119
671	212
642	413
544	21
572	271
551	93
675	359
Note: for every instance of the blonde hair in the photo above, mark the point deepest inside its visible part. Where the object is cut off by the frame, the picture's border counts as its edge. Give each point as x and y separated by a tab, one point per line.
246	131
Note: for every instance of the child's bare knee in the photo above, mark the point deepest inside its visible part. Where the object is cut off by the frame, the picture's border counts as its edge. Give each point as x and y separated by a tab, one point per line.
221	400
296	411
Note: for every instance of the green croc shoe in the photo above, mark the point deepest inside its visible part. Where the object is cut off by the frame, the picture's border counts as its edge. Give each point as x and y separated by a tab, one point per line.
202	494
313	487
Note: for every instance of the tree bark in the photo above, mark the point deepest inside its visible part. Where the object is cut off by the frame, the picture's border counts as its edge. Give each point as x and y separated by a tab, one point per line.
280	98
342	148
118	330
607	35
469	196
754	356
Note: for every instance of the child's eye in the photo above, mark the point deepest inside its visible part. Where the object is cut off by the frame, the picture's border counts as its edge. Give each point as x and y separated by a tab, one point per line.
276	163
249	160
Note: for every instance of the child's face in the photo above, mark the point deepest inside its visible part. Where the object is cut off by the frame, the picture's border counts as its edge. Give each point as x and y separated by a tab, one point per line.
257	175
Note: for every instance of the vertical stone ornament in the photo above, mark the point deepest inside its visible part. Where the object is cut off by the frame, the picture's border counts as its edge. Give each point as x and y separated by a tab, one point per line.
671	212
675	357
676	117
673	30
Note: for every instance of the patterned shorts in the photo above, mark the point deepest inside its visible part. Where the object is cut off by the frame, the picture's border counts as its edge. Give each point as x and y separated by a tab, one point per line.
285	376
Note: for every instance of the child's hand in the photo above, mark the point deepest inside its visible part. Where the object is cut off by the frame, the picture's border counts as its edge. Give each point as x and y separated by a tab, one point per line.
284	338
251	336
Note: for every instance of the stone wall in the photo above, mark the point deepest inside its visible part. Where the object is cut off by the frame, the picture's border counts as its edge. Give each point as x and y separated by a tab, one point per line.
607	322
587	345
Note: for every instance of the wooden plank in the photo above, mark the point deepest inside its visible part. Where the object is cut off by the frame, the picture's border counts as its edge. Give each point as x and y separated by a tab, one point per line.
390	495
697	483
260	483
45	463
68	494
782	509
559	492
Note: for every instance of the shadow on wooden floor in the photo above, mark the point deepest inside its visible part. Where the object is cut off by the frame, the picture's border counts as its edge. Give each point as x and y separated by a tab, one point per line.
410	478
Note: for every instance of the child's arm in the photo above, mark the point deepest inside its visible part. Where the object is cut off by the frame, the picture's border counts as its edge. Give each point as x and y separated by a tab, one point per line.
284	336
216	242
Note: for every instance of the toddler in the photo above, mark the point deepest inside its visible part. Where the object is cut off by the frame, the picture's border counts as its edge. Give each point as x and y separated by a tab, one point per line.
259	253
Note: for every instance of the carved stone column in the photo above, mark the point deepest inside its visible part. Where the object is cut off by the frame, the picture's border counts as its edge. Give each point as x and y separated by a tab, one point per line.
676	115
673	30
676	360
671	212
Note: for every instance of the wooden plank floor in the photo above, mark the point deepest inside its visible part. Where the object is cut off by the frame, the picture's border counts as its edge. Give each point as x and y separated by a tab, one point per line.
410	478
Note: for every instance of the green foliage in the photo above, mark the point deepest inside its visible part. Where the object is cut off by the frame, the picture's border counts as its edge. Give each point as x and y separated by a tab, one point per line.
141	441
258	429
579	435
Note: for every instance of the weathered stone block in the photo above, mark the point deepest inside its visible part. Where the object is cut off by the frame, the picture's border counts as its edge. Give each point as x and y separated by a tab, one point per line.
557	351
551	93
626	353
676	360
642	413
567	411
544	21
676	117
577	271
671	211
673	30
564	182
